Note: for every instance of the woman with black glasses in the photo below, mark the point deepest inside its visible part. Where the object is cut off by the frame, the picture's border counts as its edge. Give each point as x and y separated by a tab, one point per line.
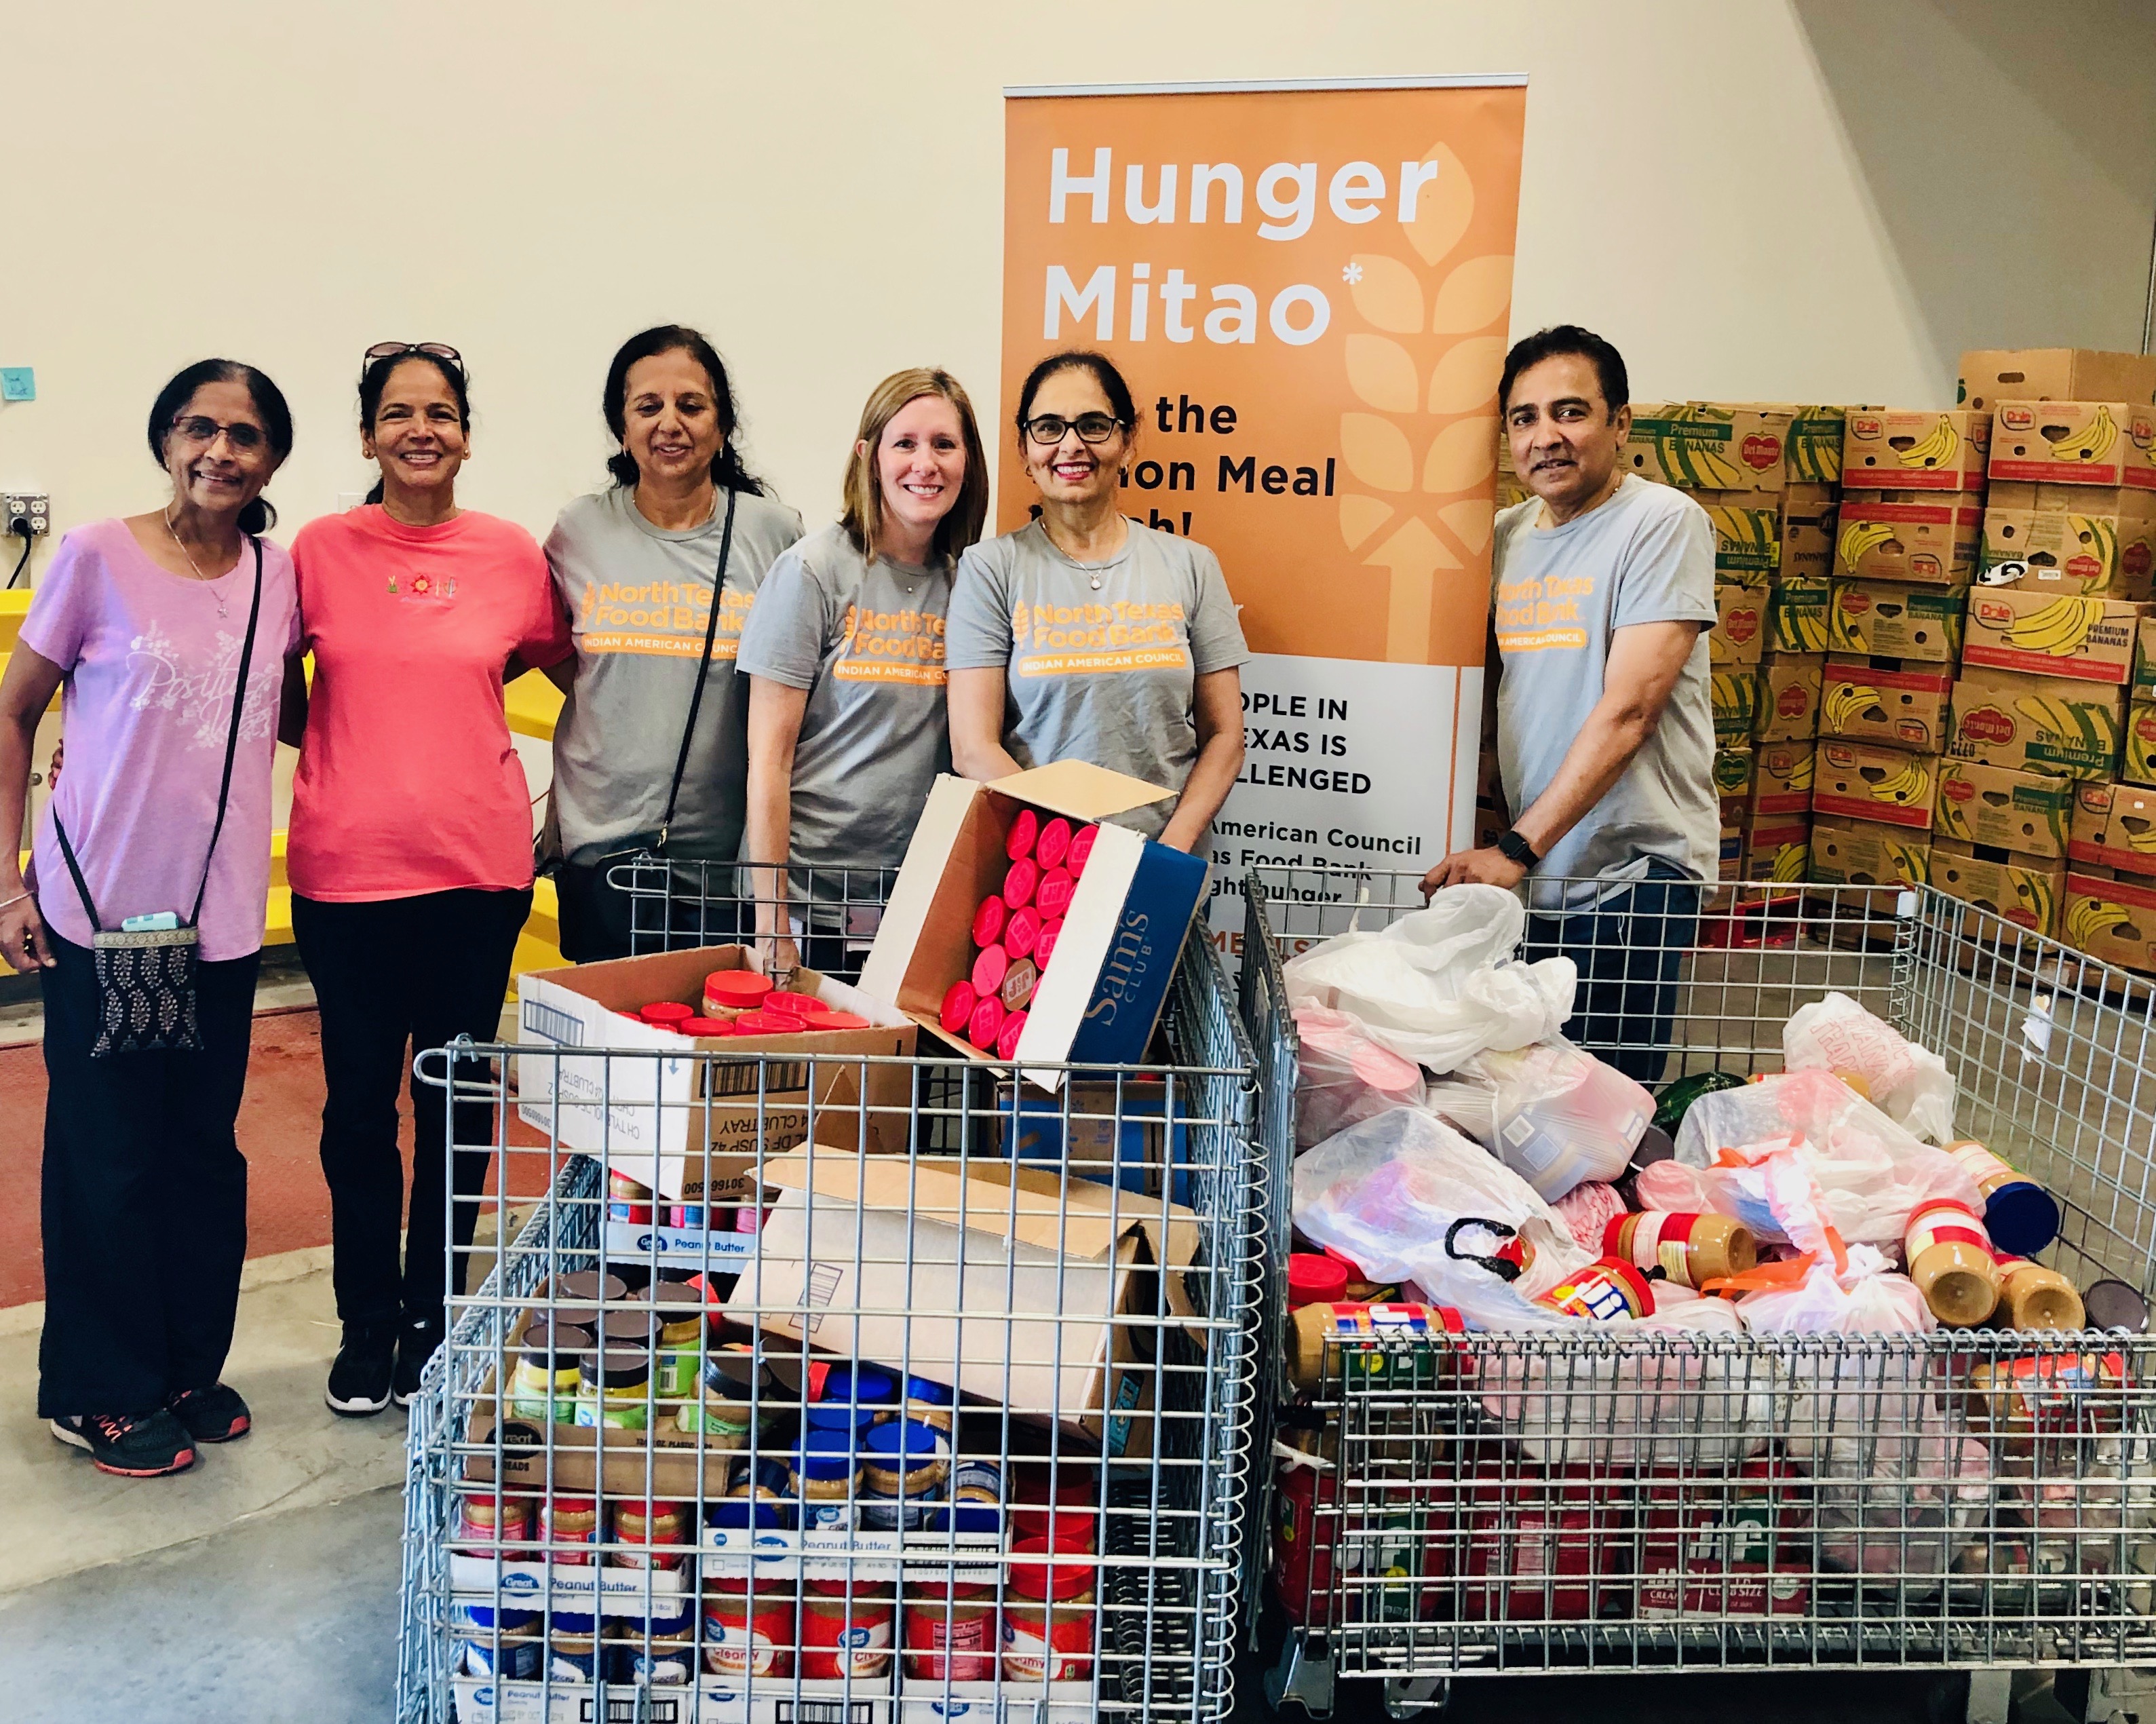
1086	636
410	848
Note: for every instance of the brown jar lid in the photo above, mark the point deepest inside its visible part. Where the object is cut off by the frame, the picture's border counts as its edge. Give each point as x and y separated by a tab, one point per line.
616	1367
588	1286
626	1328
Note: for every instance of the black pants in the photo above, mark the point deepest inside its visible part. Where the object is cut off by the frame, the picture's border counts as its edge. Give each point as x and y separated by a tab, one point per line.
1628	949
388	975
601	920
144	1196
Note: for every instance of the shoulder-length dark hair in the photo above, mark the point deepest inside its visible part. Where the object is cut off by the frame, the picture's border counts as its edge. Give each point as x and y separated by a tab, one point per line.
258	517
728	472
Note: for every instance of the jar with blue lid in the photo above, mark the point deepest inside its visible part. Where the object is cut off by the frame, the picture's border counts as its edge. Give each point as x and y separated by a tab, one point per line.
930	1402
904	1467
854	1395
759	1494
825	1471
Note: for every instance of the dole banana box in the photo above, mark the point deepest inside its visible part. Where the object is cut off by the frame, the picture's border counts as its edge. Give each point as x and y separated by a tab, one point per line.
1735	695
1884	616
1861	852
2071	538
2036	724
1789	698
1863	781
1778	851
2114	828
1886	700
1705	446
2104	442
1931	537
1905	450
2046	634
1748	534
2005	809
1733	772
1991	375
2112	921
2138	765
1739	634
2022	890
1808	521
1781	778
1796	618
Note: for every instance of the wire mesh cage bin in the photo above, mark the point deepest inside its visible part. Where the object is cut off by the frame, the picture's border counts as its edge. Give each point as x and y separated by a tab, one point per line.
1632	1497
856	1386
826	914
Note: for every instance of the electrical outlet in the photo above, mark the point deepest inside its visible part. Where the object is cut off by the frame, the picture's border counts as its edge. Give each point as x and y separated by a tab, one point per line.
20	505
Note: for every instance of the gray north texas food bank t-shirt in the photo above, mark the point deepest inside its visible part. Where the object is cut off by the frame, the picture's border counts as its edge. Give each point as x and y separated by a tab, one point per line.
1646	555
1103	673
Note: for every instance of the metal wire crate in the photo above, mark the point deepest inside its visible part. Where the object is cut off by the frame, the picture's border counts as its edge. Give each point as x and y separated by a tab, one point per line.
1095	1319
829	910
1621	1502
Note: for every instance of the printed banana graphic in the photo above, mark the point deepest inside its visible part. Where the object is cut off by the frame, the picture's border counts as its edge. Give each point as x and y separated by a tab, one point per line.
2034	891
1801	778
2088	918
2091	442
2102	536
1908	861
1789	864
1845	702
2060	629
1905	786
1858	539
1936	450
2077	726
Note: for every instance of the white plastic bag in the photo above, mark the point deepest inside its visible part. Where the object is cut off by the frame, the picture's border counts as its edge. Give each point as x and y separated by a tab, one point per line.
1387	1194
1562	1116
1909	1085
1439	985
1864	1299
1899	1487
1342	1075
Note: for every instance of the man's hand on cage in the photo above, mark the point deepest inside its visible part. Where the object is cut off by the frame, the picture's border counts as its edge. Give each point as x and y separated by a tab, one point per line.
1486	867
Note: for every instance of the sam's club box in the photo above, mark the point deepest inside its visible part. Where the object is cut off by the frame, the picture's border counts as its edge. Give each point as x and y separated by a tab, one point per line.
1103	991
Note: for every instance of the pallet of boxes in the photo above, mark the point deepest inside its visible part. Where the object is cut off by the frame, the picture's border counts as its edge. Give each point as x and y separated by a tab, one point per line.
2052	780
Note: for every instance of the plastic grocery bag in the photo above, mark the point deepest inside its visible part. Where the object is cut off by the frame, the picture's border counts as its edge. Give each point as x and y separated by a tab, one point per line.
1562	1116
1864	1299
1439	985
1342	1075
1909	1085
1409	1199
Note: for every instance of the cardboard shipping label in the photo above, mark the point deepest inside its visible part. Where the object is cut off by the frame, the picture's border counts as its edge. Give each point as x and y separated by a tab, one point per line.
2039	724
2021	889
2113	554
1782	778
1704	446
1778	852
2002	809
1916	451
1885	700
1735	695
1902	622
2052	634
1796	619
2114	827
1748	535
1788	699
2112	921
1991	375
2075	443
1861	852
1739	634
2138	765
1937	540
1862	780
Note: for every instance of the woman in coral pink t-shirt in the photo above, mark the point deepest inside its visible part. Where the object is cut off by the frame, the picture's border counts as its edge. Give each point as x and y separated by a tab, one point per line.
410	850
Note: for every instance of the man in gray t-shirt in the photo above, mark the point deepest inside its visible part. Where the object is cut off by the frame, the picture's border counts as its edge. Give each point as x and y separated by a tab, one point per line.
1604	589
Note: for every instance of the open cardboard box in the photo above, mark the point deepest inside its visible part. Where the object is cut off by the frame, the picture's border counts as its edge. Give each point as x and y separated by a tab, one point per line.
1102	993
654	1118
711	1699
872	1259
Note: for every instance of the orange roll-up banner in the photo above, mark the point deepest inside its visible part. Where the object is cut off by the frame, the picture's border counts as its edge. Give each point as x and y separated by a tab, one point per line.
1308	287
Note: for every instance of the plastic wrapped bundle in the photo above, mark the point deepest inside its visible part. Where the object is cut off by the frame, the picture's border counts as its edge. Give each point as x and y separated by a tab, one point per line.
1909	1084
1900	1489
1343	1076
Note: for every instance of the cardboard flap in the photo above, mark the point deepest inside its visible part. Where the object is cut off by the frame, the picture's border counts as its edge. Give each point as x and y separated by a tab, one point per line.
1080	789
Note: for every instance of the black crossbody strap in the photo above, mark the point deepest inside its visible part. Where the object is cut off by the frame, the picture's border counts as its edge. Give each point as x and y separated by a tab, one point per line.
75	868
703	668
232	736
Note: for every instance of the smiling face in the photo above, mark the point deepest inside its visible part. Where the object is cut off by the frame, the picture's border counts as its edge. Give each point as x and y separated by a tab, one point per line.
418	435
1074	471
670	418
1565	440
921	466
222	473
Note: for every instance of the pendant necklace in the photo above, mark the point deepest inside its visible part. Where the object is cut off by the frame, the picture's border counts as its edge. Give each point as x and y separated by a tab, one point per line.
166	518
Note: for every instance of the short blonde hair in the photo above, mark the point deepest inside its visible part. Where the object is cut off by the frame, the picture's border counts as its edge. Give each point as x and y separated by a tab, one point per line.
863	515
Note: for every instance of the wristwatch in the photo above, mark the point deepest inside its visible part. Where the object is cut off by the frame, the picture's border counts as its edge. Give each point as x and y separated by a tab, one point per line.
1515	849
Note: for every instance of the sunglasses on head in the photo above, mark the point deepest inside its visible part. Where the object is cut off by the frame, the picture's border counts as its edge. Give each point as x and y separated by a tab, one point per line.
397	350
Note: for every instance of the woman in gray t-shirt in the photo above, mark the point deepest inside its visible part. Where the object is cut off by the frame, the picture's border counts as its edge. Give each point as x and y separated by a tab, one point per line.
843	653
1086	636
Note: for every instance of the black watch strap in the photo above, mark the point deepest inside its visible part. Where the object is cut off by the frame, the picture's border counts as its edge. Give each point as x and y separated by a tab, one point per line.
1515	849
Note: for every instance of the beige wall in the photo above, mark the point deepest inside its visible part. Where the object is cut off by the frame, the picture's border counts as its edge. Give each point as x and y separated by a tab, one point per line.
1810	198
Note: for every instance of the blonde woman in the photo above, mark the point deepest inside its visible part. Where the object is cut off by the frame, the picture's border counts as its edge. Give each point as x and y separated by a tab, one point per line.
844	656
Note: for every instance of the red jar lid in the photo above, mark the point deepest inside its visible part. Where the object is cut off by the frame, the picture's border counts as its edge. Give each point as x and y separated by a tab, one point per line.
1055	891
1018	883
1040	1578
708	1026
957	1008
1081	847
768	1024
1313	1279
1023	831
736	988
1014	1027
668	1012
1054	843
1020	933
837	1020
796	1005
988	921
1044	943
989	970
987	1019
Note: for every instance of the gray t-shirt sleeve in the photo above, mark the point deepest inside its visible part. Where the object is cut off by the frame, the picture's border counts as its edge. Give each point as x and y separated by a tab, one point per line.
785	636
1668	572
978	636
1216	629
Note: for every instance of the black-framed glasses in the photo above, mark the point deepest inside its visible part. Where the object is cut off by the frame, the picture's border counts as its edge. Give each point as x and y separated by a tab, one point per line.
397	350
201	428
1047	430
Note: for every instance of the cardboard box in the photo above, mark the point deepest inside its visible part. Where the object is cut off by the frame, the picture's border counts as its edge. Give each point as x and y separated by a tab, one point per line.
1991	375
1902	622
1934	538
1732	770
860	1253
2039	724
2023	889
2114	828
1813	444
1778	851
1889	701
692	1127
1707	446
1796	620
1748	534
1739	633
2075	443
1859	852
1098	1002
2002	809
1789	698
1808	513
2107	546
2112	921
722	1700
1735	694
1782	778
1863	781
1915	451
2138	764
2045	634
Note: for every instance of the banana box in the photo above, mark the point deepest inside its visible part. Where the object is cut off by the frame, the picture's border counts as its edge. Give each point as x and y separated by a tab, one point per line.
2138	766
1861	852
1991	375
1788	699
2005	809
2037	724
1933	538
2112	921
2052	634
1884	616
1807	519
1796	618
1915	451
1733	772
2075	443
1739	634
1708	446
2114	828
1781	778
1748	534
1863	781
1812	450
1777	850
2144	659
2070	539
1886	700
1735	695
2023	889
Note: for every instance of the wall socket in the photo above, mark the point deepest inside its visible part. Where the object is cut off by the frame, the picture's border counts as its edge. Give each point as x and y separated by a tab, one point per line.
22	505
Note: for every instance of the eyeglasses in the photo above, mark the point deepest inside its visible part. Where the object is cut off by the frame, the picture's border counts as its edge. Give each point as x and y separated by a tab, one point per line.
1047	430
198	428
434	349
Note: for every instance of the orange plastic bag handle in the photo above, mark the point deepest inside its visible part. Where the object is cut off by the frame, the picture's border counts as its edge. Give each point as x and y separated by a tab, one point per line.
1790	1272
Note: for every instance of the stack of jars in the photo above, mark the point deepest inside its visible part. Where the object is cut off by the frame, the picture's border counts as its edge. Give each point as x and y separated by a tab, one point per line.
1015	931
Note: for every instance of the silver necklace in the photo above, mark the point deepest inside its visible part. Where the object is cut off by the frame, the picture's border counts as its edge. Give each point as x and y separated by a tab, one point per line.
176	539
